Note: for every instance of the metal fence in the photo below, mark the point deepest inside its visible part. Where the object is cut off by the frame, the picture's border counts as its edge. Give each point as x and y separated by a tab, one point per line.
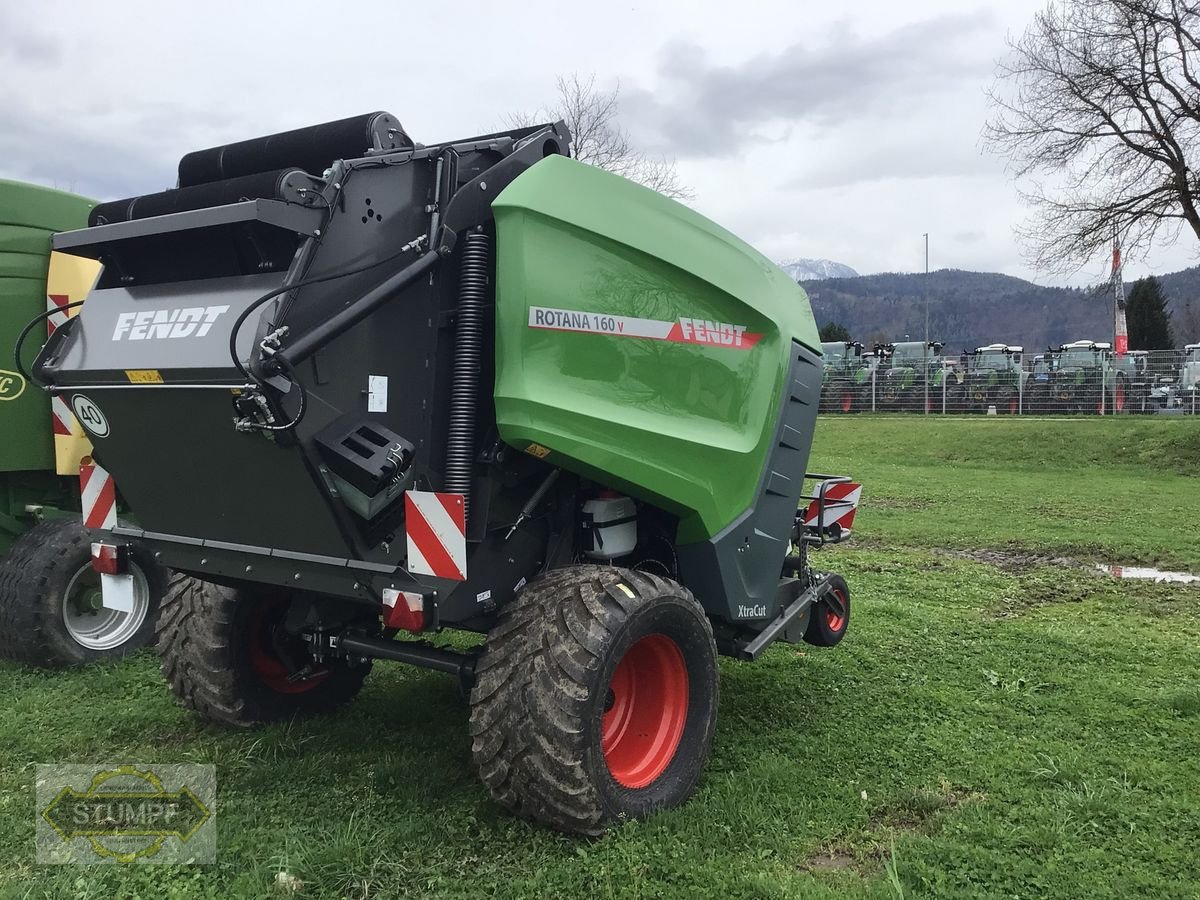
1076	381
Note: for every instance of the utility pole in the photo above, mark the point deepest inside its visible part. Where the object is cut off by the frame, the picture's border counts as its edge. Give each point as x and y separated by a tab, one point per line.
926	283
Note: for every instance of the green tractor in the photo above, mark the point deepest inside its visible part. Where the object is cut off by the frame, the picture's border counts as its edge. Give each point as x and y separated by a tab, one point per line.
52	610
1038	385
994	376
473	385
1087	379
843	374
913	377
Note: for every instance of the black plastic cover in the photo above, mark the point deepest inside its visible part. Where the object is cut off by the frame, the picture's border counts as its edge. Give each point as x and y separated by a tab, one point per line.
364	453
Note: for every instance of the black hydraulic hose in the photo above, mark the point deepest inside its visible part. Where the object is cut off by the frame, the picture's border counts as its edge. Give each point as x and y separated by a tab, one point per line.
40	317
318	337
464	382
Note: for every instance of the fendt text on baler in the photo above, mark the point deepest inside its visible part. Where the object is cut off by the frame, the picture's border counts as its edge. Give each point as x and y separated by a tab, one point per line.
351	386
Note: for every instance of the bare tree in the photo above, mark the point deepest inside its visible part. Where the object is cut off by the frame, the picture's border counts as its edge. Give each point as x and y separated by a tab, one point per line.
1098	109
591	115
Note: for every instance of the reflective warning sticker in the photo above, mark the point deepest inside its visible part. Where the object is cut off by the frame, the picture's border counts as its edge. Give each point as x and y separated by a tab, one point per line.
144	376
98	496
436	526
840	507
704	332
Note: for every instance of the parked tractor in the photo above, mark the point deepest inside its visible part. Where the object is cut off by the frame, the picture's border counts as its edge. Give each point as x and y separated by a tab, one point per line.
913	377
52	611
843	374
994	376
1086	379
1182	391
1135	380
353	386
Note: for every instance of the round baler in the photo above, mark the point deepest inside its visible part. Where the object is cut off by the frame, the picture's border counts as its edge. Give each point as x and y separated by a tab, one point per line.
52	611
474	385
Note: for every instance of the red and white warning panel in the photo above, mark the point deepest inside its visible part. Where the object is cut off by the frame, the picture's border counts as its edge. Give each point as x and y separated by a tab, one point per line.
437	534
99	496
841	504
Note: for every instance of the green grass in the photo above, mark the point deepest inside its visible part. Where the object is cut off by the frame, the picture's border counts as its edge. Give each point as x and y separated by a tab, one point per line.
1024	731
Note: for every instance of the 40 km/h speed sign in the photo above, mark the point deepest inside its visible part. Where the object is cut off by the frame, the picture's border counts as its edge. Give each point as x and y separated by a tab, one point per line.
89	416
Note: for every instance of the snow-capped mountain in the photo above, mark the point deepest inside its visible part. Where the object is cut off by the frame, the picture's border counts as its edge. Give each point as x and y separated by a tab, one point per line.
811	269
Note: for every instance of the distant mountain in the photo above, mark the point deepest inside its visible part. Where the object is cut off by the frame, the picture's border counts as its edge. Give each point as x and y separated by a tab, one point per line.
807	269
1183	300
970	309
966	309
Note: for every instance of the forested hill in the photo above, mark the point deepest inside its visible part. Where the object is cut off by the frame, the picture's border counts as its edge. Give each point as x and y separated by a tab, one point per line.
966	309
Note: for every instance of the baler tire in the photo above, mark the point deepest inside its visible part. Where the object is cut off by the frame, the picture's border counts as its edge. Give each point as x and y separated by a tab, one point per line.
36	577
545	696
825	627
204	637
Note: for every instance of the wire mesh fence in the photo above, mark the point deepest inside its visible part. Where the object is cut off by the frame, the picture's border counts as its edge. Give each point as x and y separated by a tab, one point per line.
1082	378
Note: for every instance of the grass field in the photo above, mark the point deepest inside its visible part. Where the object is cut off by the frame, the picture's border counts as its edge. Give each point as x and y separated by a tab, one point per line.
1008	724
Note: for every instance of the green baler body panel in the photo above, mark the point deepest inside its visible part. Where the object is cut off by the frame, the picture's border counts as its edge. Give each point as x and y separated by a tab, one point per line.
683	418
29	215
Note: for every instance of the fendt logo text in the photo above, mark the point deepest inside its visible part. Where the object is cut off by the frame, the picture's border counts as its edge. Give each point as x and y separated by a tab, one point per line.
153	324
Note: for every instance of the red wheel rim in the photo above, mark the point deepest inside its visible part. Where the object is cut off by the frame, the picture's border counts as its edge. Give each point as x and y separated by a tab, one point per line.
648	703
847	401
1012	407
833	619
270	669
1120	398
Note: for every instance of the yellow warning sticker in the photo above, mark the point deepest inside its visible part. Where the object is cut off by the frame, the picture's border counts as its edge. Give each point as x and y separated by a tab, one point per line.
143	376
538	450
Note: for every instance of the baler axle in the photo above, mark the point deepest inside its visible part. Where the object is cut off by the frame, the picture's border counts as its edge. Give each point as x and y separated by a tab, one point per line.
415	653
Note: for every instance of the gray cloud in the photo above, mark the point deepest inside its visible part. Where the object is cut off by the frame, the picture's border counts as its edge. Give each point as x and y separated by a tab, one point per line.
699	108
107	151
915	155
23	43
51	148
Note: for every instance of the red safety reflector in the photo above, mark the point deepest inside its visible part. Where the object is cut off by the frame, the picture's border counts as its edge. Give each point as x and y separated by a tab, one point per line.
403	610
110	559
841	504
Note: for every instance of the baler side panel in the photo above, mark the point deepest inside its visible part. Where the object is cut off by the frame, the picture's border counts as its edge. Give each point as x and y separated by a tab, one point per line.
686	424
735	574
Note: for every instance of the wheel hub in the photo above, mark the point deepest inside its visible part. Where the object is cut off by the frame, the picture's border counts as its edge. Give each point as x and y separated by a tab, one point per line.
87	620
267	645
644	721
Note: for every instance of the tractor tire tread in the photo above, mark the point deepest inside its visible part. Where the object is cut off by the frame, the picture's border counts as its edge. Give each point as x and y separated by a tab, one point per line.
31	629
528	722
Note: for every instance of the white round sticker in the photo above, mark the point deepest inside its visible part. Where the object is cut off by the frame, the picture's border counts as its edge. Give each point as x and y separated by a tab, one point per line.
89	415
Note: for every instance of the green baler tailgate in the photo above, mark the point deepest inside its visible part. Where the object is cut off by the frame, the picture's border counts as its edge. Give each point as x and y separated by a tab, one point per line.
638	342
29	215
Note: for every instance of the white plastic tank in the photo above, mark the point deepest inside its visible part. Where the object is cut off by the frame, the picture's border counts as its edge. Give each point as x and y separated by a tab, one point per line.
610	521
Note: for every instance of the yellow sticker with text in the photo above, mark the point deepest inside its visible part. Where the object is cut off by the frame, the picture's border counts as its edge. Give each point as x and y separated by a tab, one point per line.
538	450
143	376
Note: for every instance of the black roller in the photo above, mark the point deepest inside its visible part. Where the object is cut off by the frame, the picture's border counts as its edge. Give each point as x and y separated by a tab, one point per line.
264	185
311	149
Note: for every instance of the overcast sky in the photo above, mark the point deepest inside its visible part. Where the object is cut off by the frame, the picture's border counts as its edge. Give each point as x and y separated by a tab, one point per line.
837	130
